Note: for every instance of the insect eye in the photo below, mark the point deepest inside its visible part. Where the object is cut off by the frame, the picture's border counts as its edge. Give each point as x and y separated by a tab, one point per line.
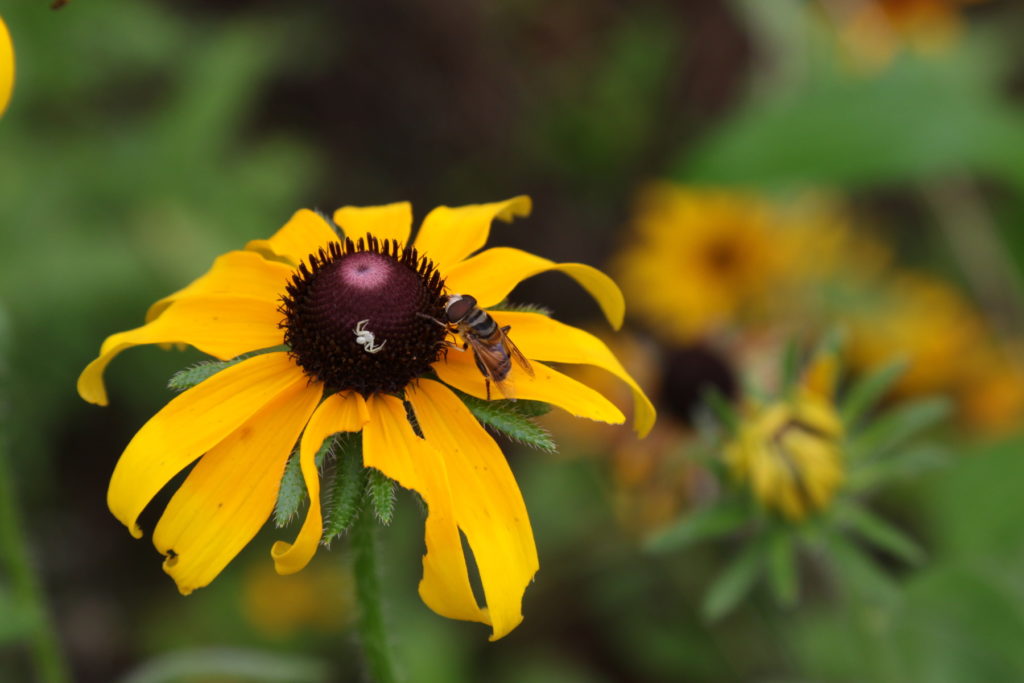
459	308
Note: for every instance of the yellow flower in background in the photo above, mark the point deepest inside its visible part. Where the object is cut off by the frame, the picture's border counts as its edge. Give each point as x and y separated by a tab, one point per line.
702	261
789	451
6	66
923	319
697	258
873	31
359	322
320	599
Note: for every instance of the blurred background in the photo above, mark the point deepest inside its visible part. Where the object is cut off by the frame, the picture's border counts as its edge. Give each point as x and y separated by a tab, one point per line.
758	176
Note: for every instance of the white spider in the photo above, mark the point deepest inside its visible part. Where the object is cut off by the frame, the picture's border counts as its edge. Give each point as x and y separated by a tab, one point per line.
365	338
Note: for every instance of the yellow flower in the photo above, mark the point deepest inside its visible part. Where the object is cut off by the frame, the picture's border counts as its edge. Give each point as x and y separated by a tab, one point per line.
789	451
360	320
697	259
6	66
925	320
873	31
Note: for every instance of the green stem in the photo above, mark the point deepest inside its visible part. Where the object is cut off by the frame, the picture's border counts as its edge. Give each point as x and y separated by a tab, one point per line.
46	654
372	632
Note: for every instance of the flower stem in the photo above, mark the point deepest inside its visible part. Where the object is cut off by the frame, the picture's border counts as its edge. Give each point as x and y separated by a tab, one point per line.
371	619
14	554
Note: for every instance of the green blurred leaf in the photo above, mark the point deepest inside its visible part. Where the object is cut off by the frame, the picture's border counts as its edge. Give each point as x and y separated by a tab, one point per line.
700	525
380	489
344	488
513	419
859	573
722	408
734	582
897	426
878	532
225	664
782	571
903	465
790	370
868	390
292	493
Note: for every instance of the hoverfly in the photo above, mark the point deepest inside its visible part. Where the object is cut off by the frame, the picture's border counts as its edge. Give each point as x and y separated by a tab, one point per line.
493	351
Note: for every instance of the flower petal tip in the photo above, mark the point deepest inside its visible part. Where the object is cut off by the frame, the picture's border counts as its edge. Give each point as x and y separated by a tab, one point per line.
516	207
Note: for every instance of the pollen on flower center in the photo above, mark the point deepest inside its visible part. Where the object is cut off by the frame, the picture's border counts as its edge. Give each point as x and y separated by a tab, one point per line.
358	315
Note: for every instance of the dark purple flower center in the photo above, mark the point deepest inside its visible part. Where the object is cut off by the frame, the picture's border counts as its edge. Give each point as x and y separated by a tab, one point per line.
358	315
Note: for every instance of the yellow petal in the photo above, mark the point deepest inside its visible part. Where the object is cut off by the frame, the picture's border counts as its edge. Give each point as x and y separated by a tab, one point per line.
491	275
236	273
488	506
6	66
390	445
222	326
387	222
342	412
191	424
543	338
547	384
231	491
304	234
449	235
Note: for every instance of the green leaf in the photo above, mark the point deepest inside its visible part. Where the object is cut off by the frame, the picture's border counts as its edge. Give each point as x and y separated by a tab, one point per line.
717	402
734	582
293	494
897	426
868	390
344	488
380	489
229	664
904	465
859	574
700	525
790	366
513	419
191	376
782	572
879	532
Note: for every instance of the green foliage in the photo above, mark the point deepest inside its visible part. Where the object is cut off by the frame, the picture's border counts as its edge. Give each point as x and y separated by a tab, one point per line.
705	523
380	490
896	427
878	532
868	390
514	419
734	582
782	572
193	375
522	308
344	488
293	493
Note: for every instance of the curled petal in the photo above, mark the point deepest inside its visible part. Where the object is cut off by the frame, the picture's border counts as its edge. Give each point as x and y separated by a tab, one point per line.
231	491
546	384
390	445
193	423
488	506
341	412
449	235
543	338
236	273
222	326
387	222
305	233
6	66
491	275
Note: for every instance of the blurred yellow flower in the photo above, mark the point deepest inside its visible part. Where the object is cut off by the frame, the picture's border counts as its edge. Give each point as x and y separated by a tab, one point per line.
318	599
991	397
873	31
789	451
358	322
923	319
6	66
700	261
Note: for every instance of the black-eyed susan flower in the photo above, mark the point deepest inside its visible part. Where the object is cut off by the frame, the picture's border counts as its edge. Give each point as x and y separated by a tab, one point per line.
789	451
6	66
351	340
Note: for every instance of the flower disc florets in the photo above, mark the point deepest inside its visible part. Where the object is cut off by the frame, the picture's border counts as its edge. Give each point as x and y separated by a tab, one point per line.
361	315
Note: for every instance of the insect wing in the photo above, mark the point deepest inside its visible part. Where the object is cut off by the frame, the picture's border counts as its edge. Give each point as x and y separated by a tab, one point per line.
490	358
515	353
